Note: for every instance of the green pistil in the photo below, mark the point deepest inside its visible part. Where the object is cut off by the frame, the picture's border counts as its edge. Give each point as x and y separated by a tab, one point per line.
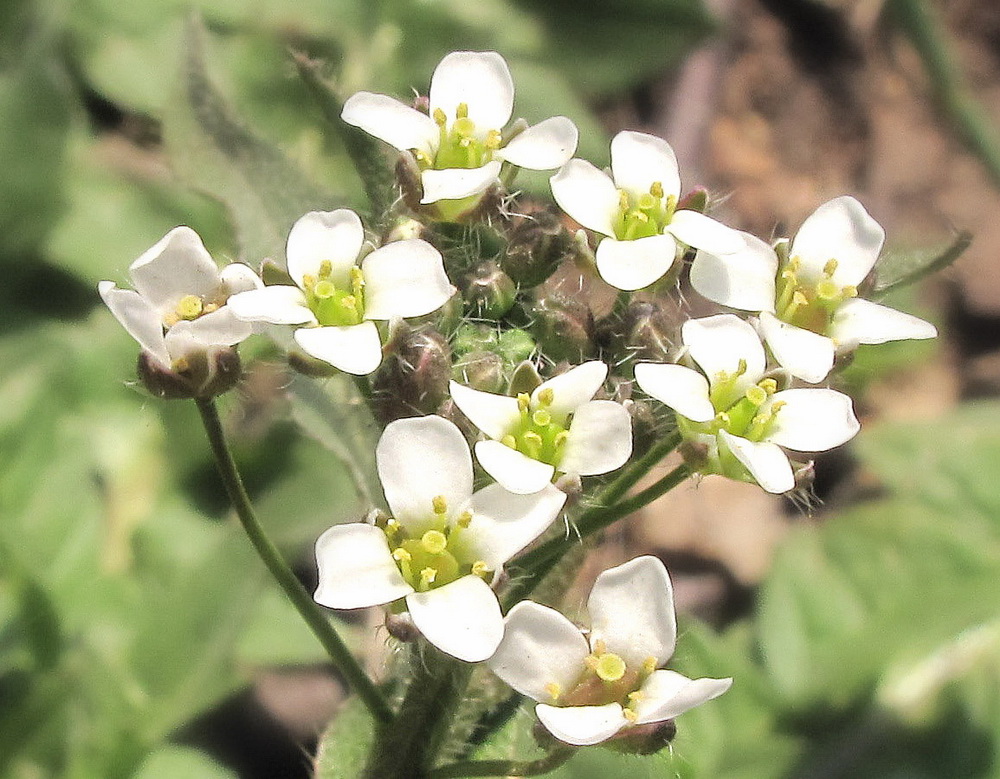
809	305
459	145
750	416
333	305
645	215
189	308
536	434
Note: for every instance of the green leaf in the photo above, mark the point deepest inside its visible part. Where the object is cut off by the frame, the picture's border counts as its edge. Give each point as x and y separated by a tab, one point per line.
175	762
898	269
343	748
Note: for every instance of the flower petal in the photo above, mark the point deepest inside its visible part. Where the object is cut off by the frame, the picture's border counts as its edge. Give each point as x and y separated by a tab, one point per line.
703	232
541	651
177	265
219	328
238	277
638	160
571	389
404	278
138	317
503	523
718	344
481	80
683	389
630	265
356	568
389	120
586	194
546	145
765	461
804	354
859	321
333	236
599	440
514	470
667	694
462	619
631	610
419	459
813	420
842	230
582	725
458	183
355	349
743	279
277	305
494	414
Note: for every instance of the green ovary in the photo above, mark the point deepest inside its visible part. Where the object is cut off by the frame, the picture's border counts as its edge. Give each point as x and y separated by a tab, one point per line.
459	145
645	215
809	305
536	434
333	305
750	415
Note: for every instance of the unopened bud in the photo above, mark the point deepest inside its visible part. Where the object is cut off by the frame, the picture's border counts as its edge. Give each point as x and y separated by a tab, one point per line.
695	200
537	243
475	337
307	365
645	739
480	370
273	274
489	292
200	375
408	178
647	333
515	346
401	627
413	378
404	228
524	380
563	327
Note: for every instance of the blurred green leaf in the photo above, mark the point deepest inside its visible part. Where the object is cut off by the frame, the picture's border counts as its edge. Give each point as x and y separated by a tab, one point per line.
343	748
175	762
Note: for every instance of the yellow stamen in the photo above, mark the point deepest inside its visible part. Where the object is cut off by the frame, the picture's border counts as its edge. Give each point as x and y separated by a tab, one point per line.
440	503
523	402
464	519
656	190
554	690
546	396
510	441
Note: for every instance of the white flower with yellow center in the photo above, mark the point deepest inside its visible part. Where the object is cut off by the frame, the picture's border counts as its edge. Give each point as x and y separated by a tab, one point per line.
555	429
591	686
442	548
178	306
635	209
460	146
335	300
738	414
806	292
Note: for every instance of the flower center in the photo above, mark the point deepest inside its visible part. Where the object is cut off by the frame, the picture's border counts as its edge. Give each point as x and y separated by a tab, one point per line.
189	308
606	679
645	215
750	414
459	144
536	434
809	305
333	305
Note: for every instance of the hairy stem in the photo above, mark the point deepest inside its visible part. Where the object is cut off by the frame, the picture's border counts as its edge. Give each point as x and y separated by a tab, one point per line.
542	765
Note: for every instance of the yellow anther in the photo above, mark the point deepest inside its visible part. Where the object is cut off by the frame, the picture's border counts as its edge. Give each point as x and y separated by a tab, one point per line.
649	665
630	715
532	438
357	276
770	386
830	268
462	111
623	202
756	395
741	368
850	291
464	519
794	264
546	396
523	402
324	289
561	437
189	307
635	697
656	190
392	526
480	568
210	307
439	117
171	319
509	440
440	503
308	281
427	576
600	647
325	268
423	158
401	555
493	139
542	418
777	406
610	667
554	690
434	541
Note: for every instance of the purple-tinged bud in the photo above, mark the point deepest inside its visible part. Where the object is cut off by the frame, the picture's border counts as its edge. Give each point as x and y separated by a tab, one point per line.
538	242
200	375
413	377
401	627
408	178
645	739
645	428
695	200
483	371
647	332
563	327
488	292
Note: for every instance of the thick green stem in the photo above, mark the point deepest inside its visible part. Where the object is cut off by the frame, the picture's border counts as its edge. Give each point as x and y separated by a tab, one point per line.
286	579
542	765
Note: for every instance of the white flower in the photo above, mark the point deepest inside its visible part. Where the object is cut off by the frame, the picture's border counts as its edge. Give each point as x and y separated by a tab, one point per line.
736	412
443	546
558	428
460	146
635	209
336	300
591	686
178	307
806	293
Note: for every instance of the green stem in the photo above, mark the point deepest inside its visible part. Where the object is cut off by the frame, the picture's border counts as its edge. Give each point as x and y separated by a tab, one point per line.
309	610
542	765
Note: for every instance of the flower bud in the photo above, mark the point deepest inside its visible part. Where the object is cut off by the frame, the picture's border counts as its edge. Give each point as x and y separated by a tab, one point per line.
413	378
307	365
537	244
563	327
524	379
647	333
408	178
404	228
271	273
401	627
489	292
645	739
199	375
515	346
695	200
480	370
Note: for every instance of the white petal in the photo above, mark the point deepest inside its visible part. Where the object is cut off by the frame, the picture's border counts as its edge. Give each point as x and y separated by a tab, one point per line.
356	568
462	619
419	459
667	694
481	80
515	471
743	280
813	420
277	305
840	229
334	236
703	232
638	160
572	388
458	183
238	277
718	343
404	278
178	265
600	439
582	725
859	321
219	328
495	415
503	523
540	648
683	389
804	354
138	317
631	610
544	146
765	461
586	194
630	265
389	120
355	349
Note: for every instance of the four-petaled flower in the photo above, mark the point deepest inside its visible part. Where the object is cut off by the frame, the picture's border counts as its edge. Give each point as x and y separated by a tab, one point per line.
178	307
443	546
591	687
635	209
555	429
460	147
806	292
737	413
335	300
